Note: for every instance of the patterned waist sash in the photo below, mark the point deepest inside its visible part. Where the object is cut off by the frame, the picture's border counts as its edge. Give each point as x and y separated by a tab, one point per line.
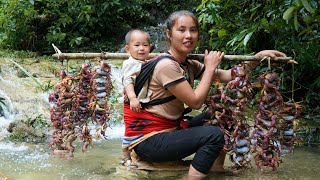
143	122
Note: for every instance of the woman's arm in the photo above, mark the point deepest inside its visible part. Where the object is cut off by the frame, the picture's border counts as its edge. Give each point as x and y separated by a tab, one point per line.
225	75
274	54
195	98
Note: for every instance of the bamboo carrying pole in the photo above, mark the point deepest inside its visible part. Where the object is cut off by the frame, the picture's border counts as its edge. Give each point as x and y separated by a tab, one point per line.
106	55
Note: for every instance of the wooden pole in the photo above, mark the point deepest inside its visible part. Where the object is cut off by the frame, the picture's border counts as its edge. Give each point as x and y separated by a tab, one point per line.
106	55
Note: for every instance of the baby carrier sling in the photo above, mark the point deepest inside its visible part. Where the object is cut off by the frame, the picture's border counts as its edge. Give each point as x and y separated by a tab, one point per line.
144	76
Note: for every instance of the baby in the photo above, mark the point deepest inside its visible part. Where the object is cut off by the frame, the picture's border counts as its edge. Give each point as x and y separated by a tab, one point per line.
138	46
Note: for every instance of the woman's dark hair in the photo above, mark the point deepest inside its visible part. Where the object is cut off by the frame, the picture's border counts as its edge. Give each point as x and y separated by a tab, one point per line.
175	15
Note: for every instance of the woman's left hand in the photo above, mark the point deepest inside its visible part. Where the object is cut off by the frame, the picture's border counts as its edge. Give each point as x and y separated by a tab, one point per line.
274	54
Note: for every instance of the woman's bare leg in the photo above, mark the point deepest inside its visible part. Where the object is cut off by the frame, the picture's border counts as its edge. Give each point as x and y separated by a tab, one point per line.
193	174
219	162
217	166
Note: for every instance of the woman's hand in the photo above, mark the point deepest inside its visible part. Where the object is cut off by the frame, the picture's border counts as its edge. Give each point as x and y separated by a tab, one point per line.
212	59
274	54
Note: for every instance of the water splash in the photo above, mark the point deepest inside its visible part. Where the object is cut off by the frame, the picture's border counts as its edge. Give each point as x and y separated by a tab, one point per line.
7	106
6	117
12	147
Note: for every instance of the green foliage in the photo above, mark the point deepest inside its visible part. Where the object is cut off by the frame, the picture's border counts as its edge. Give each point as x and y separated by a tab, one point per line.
45	87
243	27
85	24
291	26
39	122
17	54
15	17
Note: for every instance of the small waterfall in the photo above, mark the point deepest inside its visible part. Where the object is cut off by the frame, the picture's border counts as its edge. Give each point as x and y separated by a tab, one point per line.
23	100
6	115
158	38
5	106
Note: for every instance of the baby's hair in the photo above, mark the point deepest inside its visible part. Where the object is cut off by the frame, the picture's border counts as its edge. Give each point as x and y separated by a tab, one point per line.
175	15
128	35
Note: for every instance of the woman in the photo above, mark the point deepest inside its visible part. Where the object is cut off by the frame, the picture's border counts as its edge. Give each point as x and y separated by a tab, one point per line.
153	133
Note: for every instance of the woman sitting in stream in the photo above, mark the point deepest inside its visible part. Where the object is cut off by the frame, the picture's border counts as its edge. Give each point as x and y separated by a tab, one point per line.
158	133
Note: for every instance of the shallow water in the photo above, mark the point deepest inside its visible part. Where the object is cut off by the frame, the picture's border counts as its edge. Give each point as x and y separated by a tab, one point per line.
25	161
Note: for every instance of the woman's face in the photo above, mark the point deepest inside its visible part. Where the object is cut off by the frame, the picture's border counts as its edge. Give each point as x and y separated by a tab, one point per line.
183	35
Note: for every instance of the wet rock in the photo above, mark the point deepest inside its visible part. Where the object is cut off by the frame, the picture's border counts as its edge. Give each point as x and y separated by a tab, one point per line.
36	75
21	131
21	74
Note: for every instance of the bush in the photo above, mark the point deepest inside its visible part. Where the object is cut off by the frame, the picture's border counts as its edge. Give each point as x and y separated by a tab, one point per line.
79	24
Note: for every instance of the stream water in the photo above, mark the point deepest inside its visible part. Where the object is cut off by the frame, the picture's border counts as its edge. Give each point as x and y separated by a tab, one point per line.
26	161
34	161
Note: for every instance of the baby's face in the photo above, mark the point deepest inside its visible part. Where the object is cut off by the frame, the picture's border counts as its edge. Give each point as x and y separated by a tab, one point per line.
139	46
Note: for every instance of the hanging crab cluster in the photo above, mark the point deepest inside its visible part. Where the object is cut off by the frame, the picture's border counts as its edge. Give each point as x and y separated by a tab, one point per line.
236	97
101	86
290	112
265	135
60	115
83	106
273	126
76	100
227	107
221	115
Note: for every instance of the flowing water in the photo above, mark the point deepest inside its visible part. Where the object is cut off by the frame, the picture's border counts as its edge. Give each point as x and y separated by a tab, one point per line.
34	161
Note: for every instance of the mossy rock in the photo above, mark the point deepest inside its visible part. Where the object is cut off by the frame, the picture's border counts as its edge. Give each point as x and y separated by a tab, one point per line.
22	132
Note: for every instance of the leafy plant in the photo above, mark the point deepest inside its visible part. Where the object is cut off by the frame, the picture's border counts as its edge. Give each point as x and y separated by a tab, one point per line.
47	86
15	17
291	26
39	122
86	24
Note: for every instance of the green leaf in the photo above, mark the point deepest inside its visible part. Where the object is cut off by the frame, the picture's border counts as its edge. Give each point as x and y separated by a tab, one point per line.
264	22
288	13
306	31
308	19
247	38
295	22
222	33
307	6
